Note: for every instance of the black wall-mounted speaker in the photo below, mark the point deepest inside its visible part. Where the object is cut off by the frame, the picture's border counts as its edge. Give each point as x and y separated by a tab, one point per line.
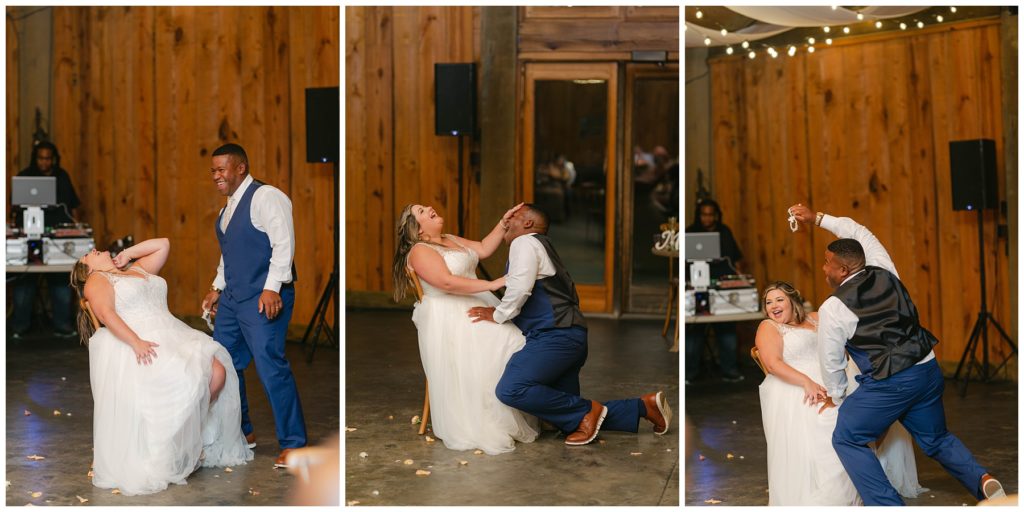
454	99
323	132
972	170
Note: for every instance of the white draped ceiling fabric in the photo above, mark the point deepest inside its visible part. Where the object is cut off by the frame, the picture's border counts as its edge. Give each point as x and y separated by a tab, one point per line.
772	21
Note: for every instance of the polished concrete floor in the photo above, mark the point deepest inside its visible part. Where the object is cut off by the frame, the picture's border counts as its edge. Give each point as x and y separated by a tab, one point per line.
384	390
725	419
46	375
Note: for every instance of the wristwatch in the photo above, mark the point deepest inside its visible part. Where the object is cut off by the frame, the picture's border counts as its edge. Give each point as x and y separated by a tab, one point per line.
817	218
214	289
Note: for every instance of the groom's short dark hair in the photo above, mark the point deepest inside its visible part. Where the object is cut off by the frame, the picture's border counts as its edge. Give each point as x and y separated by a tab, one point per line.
542	218
234	150
848	250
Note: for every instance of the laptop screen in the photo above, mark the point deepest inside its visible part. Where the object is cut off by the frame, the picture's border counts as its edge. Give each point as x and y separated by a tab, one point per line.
34	190
703	246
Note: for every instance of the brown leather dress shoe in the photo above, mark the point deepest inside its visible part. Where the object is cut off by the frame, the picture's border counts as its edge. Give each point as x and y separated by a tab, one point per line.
589	425
282	459
658	411
250	439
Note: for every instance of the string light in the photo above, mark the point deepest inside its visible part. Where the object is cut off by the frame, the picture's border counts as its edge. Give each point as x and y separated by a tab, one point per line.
728	50
707	41
860	16
791	51
827	29
846	30
810	49
810	40
878	24
699	14
903	26
751	54
920	24
952	10
745	45
724	32
939	17
828	41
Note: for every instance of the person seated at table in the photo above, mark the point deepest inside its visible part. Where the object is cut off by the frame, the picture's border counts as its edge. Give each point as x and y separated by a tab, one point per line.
708	219
46	162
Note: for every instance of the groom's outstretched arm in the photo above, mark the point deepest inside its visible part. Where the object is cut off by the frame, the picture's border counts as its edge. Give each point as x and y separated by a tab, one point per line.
874	252
523	270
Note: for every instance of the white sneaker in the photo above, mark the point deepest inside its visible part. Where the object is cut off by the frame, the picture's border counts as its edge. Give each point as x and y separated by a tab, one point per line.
991	488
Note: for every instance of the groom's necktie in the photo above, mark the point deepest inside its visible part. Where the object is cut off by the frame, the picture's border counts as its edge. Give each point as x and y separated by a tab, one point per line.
228	210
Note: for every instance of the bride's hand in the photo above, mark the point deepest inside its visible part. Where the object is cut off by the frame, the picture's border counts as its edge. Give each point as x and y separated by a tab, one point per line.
498	284
508	215
122	260
813	392
145	351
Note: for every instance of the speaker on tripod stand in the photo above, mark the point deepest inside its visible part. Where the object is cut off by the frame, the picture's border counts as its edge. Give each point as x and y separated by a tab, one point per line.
972	166
323	145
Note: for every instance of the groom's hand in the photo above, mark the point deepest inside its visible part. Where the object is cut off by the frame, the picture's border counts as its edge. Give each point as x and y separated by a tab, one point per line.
270	304
802	213
828	404
210	302
481	313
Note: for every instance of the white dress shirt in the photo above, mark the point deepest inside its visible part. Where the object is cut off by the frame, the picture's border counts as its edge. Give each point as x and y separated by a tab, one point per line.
528	261
836	323
271	212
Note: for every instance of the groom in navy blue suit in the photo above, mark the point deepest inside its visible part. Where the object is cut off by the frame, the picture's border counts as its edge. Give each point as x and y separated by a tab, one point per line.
253	293
543	378
870	315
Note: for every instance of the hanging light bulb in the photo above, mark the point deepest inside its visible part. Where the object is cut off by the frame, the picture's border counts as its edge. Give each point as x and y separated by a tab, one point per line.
728	50
699	14
846	30
791	51
745	45
810	49
878	24
939	18
903	26
860	16
707	41
920	24
827	29
725	32
751	54
828	41
952	10
810	40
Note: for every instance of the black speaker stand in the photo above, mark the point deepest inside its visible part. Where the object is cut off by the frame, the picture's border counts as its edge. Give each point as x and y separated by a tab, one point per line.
980	331
318	322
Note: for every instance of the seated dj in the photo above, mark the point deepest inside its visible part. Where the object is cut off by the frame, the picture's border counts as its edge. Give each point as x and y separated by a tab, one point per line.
46	162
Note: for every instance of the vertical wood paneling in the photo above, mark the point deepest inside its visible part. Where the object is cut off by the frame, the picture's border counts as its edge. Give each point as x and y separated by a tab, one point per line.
143	95
13	116
877	119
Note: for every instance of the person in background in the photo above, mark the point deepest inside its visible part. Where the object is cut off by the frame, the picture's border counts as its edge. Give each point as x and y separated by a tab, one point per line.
46	162
708	219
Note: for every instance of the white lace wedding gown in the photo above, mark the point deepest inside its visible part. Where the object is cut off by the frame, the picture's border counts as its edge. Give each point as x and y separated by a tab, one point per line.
153	424
463	362
803	468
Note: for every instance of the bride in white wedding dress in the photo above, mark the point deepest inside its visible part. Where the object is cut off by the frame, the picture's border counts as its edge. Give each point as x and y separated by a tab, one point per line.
803	468
463	360
163	403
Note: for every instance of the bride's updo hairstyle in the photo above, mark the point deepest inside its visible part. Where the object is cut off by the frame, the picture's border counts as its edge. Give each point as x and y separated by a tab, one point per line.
79	274
407	234
797	300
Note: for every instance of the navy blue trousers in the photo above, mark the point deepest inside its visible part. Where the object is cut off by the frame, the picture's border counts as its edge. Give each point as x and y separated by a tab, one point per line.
249	336
914	398
543	379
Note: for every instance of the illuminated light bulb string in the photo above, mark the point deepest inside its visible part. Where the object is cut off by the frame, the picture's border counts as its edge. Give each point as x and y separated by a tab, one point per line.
810	42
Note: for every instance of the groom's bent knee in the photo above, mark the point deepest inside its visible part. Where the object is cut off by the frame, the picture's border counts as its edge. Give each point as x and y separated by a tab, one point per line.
510	394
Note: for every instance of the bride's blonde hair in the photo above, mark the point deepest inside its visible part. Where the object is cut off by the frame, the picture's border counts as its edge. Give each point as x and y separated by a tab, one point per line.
79	275
794	296
406	235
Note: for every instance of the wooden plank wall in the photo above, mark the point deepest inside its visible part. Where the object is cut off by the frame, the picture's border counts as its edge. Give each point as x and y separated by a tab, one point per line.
567	33
862	130
392	156
143	95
